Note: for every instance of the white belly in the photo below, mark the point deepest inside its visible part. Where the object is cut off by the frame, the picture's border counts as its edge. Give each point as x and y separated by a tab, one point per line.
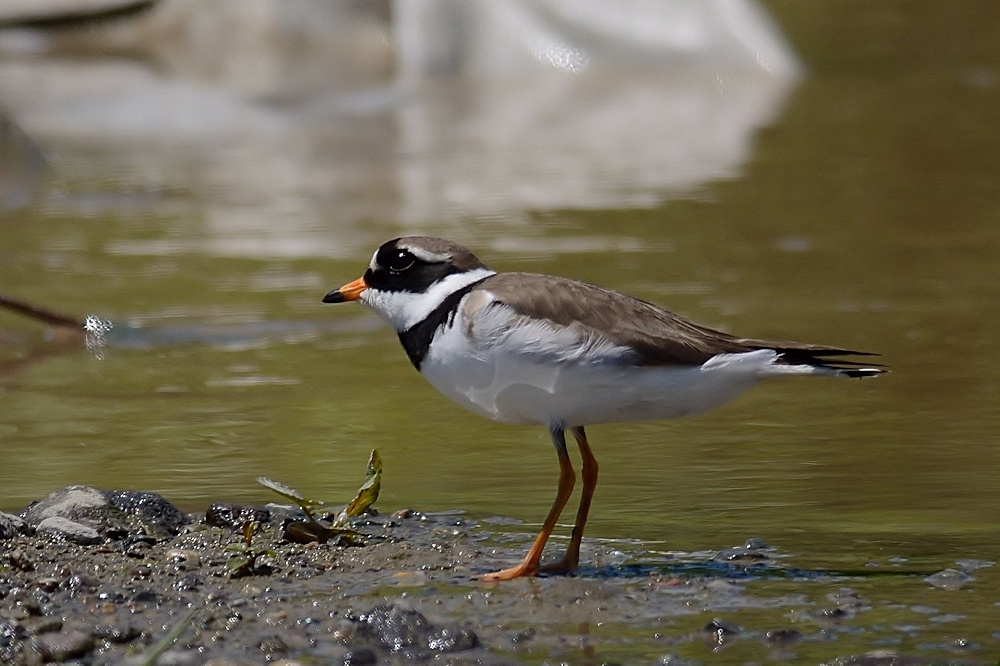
505	387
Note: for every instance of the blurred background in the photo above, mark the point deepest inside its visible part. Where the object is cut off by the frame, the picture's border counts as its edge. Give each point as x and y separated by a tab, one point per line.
200	174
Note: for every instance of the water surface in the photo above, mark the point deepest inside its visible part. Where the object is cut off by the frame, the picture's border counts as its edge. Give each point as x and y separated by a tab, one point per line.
860	211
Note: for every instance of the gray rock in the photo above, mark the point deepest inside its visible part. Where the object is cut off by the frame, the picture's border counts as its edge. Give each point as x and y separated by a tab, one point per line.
11	526
949	579
62	646
70	530
72	502
407	631
115	514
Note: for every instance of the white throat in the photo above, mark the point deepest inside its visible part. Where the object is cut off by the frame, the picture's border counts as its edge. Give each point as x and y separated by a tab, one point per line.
403	309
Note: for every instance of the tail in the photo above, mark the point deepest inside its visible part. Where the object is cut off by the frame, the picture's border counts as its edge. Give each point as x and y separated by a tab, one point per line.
827	360
819	359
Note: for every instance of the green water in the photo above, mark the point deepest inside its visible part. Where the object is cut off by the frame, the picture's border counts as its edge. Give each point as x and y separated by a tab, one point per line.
867	216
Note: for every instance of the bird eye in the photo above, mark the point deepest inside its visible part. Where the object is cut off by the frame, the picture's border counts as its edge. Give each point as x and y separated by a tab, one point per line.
401	261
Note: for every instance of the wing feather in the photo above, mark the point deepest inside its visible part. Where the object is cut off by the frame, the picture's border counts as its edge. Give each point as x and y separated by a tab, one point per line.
618	327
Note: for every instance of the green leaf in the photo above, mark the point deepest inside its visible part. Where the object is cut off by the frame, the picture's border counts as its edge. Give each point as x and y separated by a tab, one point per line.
367	493
280	488
237	563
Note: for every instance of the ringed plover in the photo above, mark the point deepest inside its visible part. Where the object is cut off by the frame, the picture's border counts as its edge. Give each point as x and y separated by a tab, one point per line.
539	349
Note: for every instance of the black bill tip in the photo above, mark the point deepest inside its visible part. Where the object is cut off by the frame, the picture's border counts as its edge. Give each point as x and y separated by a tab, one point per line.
334	297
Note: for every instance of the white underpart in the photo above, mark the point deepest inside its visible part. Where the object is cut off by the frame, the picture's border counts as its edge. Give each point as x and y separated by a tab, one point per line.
403	309
510	368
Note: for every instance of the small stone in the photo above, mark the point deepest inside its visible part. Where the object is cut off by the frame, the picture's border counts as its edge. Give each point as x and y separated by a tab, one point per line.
72	503
114	633
188	559
396	628
137	549
235	516
154	514
11	526
273	645
782	636
142	571
720	632
187	582
360	657
65	528
949	579
60	647
79	582
43	625
145	597
48	584
452	639
20	561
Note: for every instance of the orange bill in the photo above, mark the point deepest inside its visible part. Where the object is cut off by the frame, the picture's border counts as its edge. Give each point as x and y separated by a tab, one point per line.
349	292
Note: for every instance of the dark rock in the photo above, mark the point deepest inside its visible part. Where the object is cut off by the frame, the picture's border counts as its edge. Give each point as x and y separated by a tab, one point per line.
60	647
397	628
452	639
43	625
151	510
360	657
19	561
720	632
11	526
271	645
187	582
780	637
407	631
235	516
747	555
145	597
115	633
81	582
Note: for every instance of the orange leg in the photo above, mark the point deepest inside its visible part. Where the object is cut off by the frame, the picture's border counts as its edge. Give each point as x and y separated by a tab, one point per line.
529	565
571	559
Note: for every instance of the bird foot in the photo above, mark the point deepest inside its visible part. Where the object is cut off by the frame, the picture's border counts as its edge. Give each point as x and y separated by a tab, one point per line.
564	566
521	570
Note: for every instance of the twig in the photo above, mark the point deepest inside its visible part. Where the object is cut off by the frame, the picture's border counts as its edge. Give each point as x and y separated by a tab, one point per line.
48	316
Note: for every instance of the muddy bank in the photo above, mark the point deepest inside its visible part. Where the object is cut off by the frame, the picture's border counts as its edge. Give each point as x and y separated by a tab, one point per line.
97	577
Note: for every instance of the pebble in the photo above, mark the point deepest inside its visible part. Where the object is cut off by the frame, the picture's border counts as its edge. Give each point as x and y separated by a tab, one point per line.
188	559
65	528
782	637
71	502
720	632
235	516
59	647
11	526
155	514
405	630
949	579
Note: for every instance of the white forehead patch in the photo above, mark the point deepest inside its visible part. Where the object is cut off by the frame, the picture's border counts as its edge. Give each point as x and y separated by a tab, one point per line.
427	256
371	264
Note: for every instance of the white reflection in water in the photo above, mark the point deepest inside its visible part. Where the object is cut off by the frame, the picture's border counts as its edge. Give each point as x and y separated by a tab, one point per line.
97	330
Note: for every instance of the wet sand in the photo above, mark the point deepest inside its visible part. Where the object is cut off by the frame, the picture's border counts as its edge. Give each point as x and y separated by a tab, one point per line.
158	586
